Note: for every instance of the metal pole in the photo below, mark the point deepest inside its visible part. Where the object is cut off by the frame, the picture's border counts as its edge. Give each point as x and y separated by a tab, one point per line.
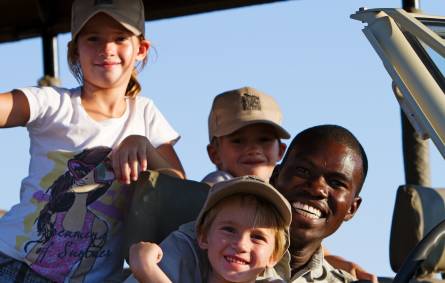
411	5
49	45
50	56
415	149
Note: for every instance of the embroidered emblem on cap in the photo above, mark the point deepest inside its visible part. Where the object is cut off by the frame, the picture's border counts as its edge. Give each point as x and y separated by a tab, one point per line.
103	2
250	102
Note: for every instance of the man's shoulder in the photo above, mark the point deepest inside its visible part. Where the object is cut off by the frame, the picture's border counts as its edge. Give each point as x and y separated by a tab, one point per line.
337	275
317	270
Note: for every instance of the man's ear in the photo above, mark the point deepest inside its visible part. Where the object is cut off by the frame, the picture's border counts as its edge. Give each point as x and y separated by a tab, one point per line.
213	153
202	241
275	173
353	208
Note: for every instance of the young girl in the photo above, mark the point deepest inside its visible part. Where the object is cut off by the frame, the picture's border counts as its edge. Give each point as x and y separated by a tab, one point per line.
57	232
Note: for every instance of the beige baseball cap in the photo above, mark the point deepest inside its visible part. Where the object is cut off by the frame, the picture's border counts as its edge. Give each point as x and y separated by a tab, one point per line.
129	13
238	108
251	185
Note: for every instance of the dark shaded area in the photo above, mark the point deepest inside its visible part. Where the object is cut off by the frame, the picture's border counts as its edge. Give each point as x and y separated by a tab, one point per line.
20	19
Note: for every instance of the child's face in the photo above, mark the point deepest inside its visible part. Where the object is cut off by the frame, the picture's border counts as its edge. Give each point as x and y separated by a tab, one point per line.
251	150
108	52
237	250
320	179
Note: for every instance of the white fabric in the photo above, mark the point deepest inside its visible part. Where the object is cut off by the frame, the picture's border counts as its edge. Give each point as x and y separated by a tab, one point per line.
59	127
216	177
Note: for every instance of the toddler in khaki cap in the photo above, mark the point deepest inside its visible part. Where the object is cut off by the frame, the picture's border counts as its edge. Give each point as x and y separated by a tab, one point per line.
242	231
245	128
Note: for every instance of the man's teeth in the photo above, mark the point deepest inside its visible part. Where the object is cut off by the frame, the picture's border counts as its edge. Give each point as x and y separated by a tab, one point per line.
307	210
235	260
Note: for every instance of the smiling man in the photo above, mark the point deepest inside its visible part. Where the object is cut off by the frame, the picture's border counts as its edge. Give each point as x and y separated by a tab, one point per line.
321	176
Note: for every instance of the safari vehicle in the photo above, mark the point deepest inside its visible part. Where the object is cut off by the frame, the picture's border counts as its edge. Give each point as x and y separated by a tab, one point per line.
411	48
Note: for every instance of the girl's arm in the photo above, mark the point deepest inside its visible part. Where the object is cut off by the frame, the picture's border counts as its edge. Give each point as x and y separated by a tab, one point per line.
168	153
144	258
14	109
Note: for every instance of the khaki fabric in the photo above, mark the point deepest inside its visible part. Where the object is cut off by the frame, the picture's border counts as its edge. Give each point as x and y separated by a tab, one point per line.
160	204
235	109
317	270
417	210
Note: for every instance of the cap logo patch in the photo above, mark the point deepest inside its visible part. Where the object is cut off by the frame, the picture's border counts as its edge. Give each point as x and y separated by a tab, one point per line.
103	2
250	102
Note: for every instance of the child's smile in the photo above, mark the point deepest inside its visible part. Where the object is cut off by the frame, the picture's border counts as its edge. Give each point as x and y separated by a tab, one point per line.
237	250
306	210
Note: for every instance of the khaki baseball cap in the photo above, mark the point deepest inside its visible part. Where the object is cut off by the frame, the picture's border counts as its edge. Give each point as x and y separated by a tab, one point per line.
251	185
129	13
238	108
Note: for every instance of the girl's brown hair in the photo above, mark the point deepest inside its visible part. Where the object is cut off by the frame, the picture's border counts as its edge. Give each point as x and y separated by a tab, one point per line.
133	87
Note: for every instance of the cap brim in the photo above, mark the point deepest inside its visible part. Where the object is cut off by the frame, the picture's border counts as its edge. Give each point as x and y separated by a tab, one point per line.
116	17
261	190
281	132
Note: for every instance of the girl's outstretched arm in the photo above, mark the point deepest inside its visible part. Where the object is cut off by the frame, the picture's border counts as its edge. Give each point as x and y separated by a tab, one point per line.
144	258
14	109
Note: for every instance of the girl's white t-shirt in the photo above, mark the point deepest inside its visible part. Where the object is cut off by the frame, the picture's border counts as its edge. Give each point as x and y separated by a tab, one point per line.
59	129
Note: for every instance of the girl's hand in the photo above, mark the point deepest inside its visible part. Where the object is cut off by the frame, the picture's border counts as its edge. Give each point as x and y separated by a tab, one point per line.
144	259
131	157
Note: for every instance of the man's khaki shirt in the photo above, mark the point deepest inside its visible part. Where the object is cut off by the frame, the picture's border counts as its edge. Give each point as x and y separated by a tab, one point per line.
317	270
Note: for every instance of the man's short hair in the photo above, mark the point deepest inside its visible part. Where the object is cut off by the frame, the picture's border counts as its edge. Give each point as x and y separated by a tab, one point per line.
336	133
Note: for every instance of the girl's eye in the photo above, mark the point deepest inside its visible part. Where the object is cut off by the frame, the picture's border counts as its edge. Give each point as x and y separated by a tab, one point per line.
92	38
121	39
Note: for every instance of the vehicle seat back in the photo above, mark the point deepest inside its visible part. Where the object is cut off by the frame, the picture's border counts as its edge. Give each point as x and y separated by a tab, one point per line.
160	204
417	210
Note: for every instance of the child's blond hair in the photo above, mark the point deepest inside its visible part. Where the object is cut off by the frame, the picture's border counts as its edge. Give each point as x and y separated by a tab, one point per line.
266	215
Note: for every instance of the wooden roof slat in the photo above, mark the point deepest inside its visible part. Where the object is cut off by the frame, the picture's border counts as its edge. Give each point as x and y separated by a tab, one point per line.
21	19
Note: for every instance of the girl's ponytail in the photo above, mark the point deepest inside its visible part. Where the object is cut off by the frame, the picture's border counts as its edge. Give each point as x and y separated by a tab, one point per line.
134	87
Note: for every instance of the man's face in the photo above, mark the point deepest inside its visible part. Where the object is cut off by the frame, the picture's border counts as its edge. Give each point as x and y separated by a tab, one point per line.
320	180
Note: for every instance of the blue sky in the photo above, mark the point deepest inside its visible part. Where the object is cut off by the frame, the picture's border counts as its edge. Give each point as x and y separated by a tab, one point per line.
308	54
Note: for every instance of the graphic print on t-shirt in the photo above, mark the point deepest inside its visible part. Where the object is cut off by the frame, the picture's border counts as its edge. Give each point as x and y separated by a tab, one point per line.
71	235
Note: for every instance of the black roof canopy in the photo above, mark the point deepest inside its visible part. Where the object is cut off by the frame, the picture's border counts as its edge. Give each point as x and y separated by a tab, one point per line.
20	19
